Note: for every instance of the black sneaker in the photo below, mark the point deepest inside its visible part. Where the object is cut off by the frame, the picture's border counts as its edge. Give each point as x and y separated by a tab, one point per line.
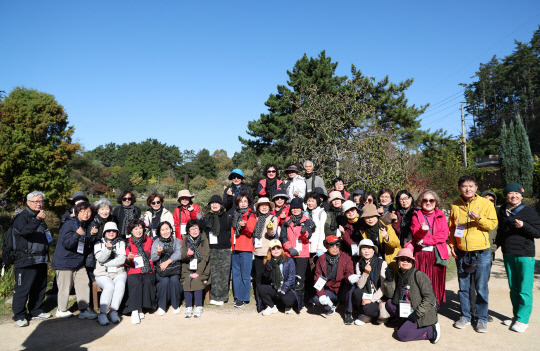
348	319
436	333
239	304
331	311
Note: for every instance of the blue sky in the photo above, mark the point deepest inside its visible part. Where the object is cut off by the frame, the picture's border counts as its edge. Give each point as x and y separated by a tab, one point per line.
192	74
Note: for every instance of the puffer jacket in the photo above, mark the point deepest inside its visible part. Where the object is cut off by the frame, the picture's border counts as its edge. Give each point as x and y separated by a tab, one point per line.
66	256
518	241
291	234
109	257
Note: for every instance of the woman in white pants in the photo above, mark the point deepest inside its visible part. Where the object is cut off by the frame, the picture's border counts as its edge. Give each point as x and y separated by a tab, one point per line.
110	253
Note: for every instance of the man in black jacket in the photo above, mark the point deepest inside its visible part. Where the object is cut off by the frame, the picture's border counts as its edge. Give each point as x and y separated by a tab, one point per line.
31	245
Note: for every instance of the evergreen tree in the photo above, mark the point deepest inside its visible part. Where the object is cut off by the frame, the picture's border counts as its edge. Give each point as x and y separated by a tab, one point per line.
524	159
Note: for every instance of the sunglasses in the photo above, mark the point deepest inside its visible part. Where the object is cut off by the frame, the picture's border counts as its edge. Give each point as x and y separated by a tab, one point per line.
156	202
126	199
334	244
276	248
271	171
406	259
236	177
425	201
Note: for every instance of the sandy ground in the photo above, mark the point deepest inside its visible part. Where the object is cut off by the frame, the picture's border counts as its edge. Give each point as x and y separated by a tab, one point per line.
227	328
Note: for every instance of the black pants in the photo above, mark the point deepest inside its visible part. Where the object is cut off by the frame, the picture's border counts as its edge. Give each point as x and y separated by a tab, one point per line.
268	295
301	270
30	285
258	269
371	309
141	292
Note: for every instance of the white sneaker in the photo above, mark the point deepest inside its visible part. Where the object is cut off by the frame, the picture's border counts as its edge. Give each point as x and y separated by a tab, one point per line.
88	314
141	315
215	302
161	311
519	327
189	312
42	315
63	314
288	310
509	322
135	319
269	310
362	319
21	323
102	319
176	310
198	311
113	316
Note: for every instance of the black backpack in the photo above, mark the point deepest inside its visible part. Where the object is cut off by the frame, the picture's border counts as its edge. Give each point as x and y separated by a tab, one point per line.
9	253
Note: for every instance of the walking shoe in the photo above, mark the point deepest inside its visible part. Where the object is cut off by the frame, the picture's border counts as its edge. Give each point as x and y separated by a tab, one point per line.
21	323
42	315
436	333
215	302
135	319
269	310
380	320
362	319
490	319
348	318
63	314
141	315
519	327
461	323
189	312
509	322
102	319
176	310
288	310
87	314
161	311
113	316
239	304
481	327
198	311
331	311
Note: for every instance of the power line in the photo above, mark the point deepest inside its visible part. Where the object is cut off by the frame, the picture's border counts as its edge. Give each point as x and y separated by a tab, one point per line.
438	112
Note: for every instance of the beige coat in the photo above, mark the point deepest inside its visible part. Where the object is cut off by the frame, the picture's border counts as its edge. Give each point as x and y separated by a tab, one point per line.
268	235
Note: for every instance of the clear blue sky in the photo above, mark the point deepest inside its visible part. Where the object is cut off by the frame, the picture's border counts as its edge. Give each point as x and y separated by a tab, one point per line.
193	73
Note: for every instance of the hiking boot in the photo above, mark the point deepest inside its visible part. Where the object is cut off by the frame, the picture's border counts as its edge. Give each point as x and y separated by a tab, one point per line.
461	323
436	333
481	327
519	327
348	318
21	323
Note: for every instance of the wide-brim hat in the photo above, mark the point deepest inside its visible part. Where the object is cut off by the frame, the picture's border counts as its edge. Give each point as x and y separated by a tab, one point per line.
335	195
216	198
236	171
264	200
273	243
367	242
184	193
405	252
280	193
110	226
369	210
347	205
292	168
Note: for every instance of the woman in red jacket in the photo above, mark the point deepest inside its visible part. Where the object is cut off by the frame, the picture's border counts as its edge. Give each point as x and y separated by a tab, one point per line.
270	183
184	213
430	231
243	224
140	272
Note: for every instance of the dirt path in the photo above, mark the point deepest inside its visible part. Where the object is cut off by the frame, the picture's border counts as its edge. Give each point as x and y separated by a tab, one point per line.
227	328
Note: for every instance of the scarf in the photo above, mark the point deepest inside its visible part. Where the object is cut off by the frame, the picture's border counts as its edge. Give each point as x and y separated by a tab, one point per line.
270	186
128	216
331	261
193	243
405	220
311	176
168	247
373	234
140	251
236	189
333	213
352	221
277	281
156	217
213	221
373	262
238	213
296	219
260	226
402	279
509	209
389	207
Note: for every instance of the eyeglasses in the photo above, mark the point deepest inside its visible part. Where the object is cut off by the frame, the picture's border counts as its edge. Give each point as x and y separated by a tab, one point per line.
405	259
404	199
276	248
37	201
385	196
156	202
271	171
431	201
126	199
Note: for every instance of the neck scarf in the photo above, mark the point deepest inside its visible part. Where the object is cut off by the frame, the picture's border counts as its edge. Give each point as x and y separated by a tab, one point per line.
140	251
373	262
311	177
236	189
193	244
213	221
277	275
260	226
296	219
373	234
168	247
331	261
128	216
238	213
352	221
156	217
402	280
334	212
509	209
270	186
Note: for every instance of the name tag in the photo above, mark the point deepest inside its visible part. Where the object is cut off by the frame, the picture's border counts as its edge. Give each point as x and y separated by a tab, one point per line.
258	243
460	231
319	285
80	247
338	233
354	249
299	245
212	238
193	264
111	269
367	296
48	235
138	261
405	309
428	248
183	229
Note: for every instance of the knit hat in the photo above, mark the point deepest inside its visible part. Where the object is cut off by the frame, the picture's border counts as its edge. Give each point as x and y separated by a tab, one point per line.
296	203
369	210
514	187
216	198
367	242
236	171
274	242
347	205
280	193
184	193
405	252
331	240
264	200
335	195
110	226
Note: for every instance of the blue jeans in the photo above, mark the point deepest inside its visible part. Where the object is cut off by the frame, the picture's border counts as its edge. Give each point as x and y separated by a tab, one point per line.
241	262
481	277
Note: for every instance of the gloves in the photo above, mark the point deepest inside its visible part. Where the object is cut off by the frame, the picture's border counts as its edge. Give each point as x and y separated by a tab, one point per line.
413	317
323	300
353	278
388	275
293	252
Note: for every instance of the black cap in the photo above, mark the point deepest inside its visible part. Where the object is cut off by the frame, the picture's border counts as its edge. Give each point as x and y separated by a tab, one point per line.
297	203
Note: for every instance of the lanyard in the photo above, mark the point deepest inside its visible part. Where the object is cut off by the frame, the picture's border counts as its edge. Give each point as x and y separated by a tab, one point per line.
332	271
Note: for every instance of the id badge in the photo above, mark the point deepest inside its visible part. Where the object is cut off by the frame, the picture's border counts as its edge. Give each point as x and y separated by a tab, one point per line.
193	264
48	235
80	247
405	308
111	269
138	262
460	231
319	285
183	229
212	238
299	245
367	296
428	248
258	243
354	249
338	233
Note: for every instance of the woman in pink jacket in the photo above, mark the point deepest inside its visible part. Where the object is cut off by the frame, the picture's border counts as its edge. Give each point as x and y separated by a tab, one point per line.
430	232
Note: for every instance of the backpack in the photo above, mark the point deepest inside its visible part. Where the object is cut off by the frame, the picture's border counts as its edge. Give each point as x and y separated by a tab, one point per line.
9	254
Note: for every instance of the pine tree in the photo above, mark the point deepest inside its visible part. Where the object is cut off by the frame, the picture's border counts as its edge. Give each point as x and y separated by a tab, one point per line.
524	158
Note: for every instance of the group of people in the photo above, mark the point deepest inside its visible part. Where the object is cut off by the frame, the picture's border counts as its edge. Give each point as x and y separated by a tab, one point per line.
380	256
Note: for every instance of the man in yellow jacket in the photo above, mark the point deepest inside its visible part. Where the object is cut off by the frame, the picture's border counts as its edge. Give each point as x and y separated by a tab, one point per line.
471	219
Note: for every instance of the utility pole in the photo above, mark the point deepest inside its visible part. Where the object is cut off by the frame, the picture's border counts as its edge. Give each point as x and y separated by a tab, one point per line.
464	145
